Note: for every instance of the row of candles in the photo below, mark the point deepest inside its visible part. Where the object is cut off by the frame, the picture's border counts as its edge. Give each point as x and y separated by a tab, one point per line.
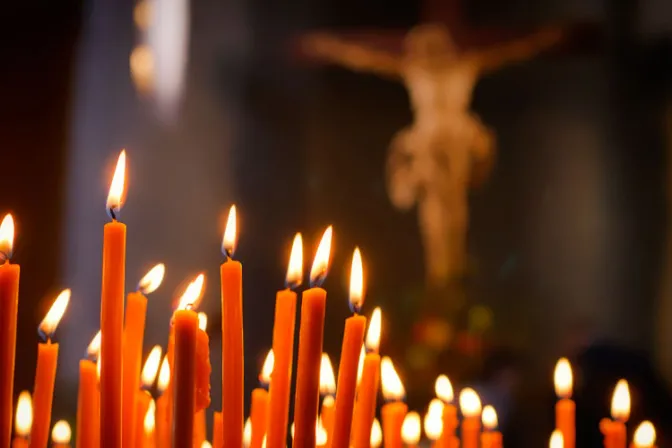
116	410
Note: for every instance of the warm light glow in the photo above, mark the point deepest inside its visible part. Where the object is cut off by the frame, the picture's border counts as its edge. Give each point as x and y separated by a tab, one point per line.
115	198
192	294
98	362
24	415
229	239
645	435
360	364
61	433
489	417
53	317
7	236
207	444
294	276
142	14
356	282
321	261
470	403
393	389
151	367
444	389
164	375
150	418
263	442
563	378
291	430
411	428
152	279
142	67
327	377
247	433
620	402
202	321
267	368
94	347
433	424
436	407
376	434
373	333
329	402
557	440
321	436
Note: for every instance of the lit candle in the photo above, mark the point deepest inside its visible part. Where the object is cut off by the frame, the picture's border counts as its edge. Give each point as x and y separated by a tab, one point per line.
365	407
353	336
376	434
184	373
645	435
470	404
444	391
565	409
149	425
88	397
557	440
247	433
411	429
491	438
231	273
327	391
614	430
310	347
394	410
9	303
45	373
321	436
433	422
259	406
206	444
23	421
143	397
217	425
133	336
163	428
203	371
61	435
283	349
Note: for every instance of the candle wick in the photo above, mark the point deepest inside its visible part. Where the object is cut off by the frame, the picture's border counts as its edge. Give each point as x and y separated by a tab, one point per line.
112	213
5	255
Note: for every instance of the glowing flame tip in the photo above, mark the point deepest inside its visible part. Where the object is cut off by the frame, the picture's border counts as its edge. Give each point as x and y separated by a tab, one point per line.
192	293
151	367
53	317
393	388
557	440
93	349
563	378
620	402
115	197
164	375
489	418
373	333
411	429
327	377
294	276
645	435
7	237
24	414
470	403
320	267
267	368
376	434
356	282
433	423
444	389
61	433
230	234
152	280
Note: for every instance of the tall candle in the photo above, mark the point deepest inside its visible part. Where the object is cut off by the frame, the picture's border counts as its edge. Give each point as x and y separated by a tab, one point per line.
112	314
61	435
9	303
470	404
645	436
444	391
23	421
491	438
133	336
259	406
310	348
88	398
353	336
217	425
162	427
365	407
615	435
327	392
411	430
231	273
394	410
565	409
142	397
45	373
283	349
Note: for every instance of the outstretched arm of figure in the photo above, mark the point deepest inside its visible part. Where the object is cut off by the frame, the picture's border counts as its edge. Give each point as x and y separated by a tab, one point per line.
353	56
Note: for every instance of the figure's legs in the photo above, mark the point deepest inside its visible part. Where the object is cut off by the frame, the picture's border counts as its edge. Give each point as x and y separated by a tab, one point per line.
458	222
434	221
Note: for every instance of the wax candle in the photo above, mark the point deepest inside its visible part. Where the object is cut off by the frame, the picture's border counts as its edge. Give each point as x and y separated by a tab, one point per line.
433	423
133	336
9	303
88	398
353	336
142	396
491	438
376	434
23	421
614	431
645	436
162	427
365	407
149	426
310	347
45	373
259	406
411	429
327	392
444	391
61	435
470	404
283	349
112	313
565	409
557	440
394	410
217	425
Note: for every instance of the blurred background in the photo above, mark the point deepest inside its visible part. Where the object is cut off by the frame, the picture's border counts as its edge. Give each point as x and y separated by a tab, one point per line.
568	250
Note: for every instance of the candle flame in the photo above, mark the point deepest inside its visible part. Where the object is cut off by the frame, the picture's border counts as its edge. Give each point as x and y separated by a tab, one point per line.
207	444
150	418
393	389
433	424
321	261
164	375
328	402
373	333
557	440
98	362
294	276
292	430
645	435
489	418
53	317
61	433
7	236
202	321
229	238
263	442
436	407
444	389
247	433
24	415
267	369
327	377
151	367
321	436
93	349
376	434
192	293
356	282
115	197
563	378
411	428
152	280
360	364
470	403
620	402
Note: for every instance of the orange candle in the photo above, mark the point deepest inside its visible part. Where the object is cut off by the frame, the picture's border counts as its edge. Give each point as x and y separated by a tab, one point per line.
162	427
218	424
231	274
470	404
411	430
353	336
259	406
143	398
112	314
61	435
365	407
133	336
283	350
565	409
9	303
491	438
45	373
23	421
149	425
88	398
444	391
645	436
394	410
615	435
199	428
310	348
